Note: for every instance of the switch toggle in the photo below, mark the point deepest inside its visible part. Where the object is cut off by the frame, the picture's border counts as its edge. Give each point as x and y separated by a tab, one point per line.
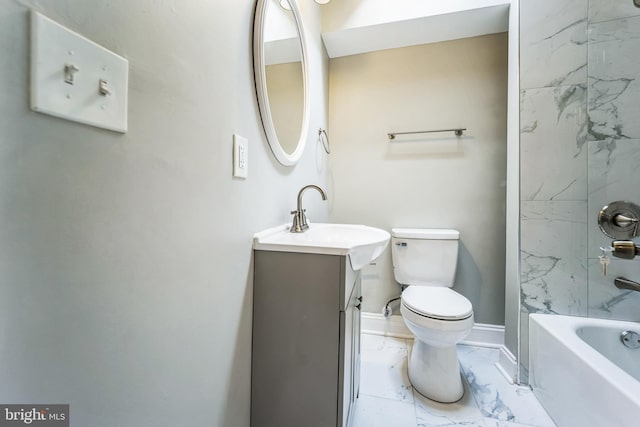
240	156
104	88
69	71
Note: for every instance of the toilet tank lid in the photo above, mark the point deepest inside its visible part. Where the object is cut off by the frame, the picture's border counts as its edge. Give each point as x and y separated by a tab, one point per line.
426	233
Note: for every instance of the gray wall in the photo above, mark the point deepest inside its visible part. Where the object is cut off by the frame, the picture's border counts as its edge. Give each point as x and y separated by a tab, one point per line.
580	150
125	260
425	181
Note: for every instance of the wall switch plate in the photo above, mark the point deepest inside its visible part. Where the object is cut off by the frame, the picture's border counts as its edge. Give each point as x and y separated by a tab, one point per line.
75	79
240	156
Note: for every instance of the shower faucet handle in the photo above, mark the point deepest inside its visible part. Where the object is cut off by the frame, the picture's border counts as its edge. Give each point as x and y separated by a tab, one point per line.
625	249
620	220
628	222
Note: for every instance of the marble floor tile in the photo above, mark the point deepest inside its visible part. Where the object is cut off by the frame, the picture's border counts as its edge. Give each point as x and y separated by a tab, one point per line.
378	412
495	397
465	412
374	346
384	368
516	406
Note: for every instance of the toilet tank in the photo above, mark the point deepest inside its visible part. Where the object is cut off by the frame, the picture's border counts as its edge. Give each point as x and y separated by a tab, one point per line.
424	257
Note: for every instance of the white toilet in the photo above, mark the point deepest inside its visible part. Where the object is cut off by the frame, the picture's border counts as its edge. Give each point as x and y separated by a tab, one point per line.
438	317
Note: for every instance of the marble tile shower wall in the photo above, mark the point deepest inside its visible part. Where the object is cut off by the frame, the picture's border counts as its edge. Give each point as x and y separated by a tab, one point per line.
580	149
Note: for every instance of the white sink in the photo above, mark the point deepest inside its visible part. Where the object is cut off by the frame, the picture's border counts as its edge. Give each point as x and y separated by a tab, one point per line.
362	244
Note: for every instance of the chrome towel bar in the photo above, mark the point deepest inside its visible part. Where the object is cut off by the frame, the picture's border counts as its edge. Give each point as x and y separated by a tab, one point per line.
457	131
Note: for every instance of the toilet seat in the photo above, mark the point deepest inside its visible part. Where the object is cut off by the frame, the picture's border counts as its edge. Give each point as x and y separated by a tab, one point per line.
440	303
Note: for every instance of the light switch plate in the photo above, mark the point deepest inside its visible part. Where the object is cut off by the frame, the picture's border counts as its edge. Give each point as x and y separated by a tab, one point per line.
75	79
240	156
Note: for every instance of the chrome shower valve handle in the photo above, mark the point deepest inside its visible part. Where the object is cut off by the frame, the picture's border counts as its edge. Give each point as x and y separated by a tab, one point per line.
620	220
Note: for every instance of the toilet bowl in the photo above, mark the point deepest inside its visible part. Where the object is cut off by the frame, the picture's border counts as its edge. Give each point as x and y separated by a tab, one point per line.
437	316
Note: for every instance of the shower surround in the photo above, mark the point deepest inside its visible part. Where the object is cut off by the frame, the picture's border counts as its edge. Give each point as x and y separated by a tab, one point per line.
580	150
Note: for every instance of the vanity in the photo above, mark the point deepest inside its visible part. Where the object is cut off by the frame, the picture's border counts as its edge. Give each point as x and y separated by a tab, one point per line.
305	368
306	323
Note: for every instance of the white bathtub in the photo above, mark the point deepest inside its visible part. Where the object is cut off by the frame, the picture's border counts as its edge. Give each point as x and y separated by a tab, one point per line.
581	372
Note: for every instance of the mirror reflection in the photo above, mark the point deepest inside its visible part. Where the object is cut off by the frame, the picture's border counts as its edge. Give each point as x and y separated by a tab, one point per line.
284	74
281	78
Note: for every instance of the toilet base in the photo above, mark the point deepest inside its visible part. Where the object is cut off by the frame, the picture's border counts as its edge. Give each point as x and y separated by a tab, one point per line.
434	372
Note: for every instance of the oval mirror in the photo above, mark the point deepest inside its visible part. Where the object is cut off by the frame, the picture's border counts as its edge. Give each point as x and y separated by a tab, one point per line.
279	51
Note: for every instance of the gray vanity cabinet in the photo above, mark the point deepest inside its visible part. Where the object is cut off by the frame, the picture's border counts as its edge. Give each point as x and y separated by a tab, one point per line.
350	354
306	340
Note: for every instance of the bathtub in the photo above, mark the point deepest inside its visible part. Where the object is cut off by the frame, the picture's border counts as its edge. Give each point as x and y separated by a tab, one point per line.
581	372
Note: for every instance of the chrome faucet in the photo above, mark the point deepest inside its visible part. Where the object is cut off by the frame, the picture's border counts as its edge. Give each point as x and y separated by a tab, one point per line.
624	283
625	249
299	218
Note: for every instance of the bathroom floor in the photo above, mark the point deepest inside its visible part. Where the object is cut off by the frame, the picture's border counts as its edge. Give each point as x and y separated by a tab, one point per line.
388	400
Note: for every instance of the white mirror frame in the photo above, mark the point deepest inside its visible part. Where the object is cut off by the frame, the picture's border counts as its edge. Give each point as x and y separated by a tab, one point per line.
259	62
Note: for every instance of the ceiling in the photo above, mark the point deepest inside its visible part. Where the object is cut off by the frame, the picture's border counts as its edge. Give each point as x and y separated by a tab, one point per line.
370	31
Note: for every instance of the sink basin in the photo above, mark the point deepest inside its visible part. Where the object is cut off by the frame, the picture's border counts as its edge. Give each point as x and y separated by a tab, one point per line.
362	244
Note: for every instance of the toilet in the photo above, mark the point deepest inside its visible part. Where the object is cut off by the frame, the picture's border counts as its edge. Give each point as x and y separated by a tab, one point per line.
425	261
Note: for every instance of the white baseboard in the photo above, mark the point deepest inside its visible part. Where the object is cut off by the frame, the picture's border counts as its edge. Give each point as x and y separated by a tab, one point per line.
377	324
507	365
485	335
482	335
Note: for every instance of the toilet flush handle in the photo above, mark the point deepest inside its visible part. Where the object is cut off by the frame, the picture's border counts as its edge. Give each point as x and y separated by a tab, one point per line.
401	244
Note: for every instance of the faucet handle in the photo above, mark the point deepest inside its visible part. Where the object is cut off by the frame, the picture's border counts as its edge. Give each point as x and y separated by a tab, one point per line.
299	224
625	249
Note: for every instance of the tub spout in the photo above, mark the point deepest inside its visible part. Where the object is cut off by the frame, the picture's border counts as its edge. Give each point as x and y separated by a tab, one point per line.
622	283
